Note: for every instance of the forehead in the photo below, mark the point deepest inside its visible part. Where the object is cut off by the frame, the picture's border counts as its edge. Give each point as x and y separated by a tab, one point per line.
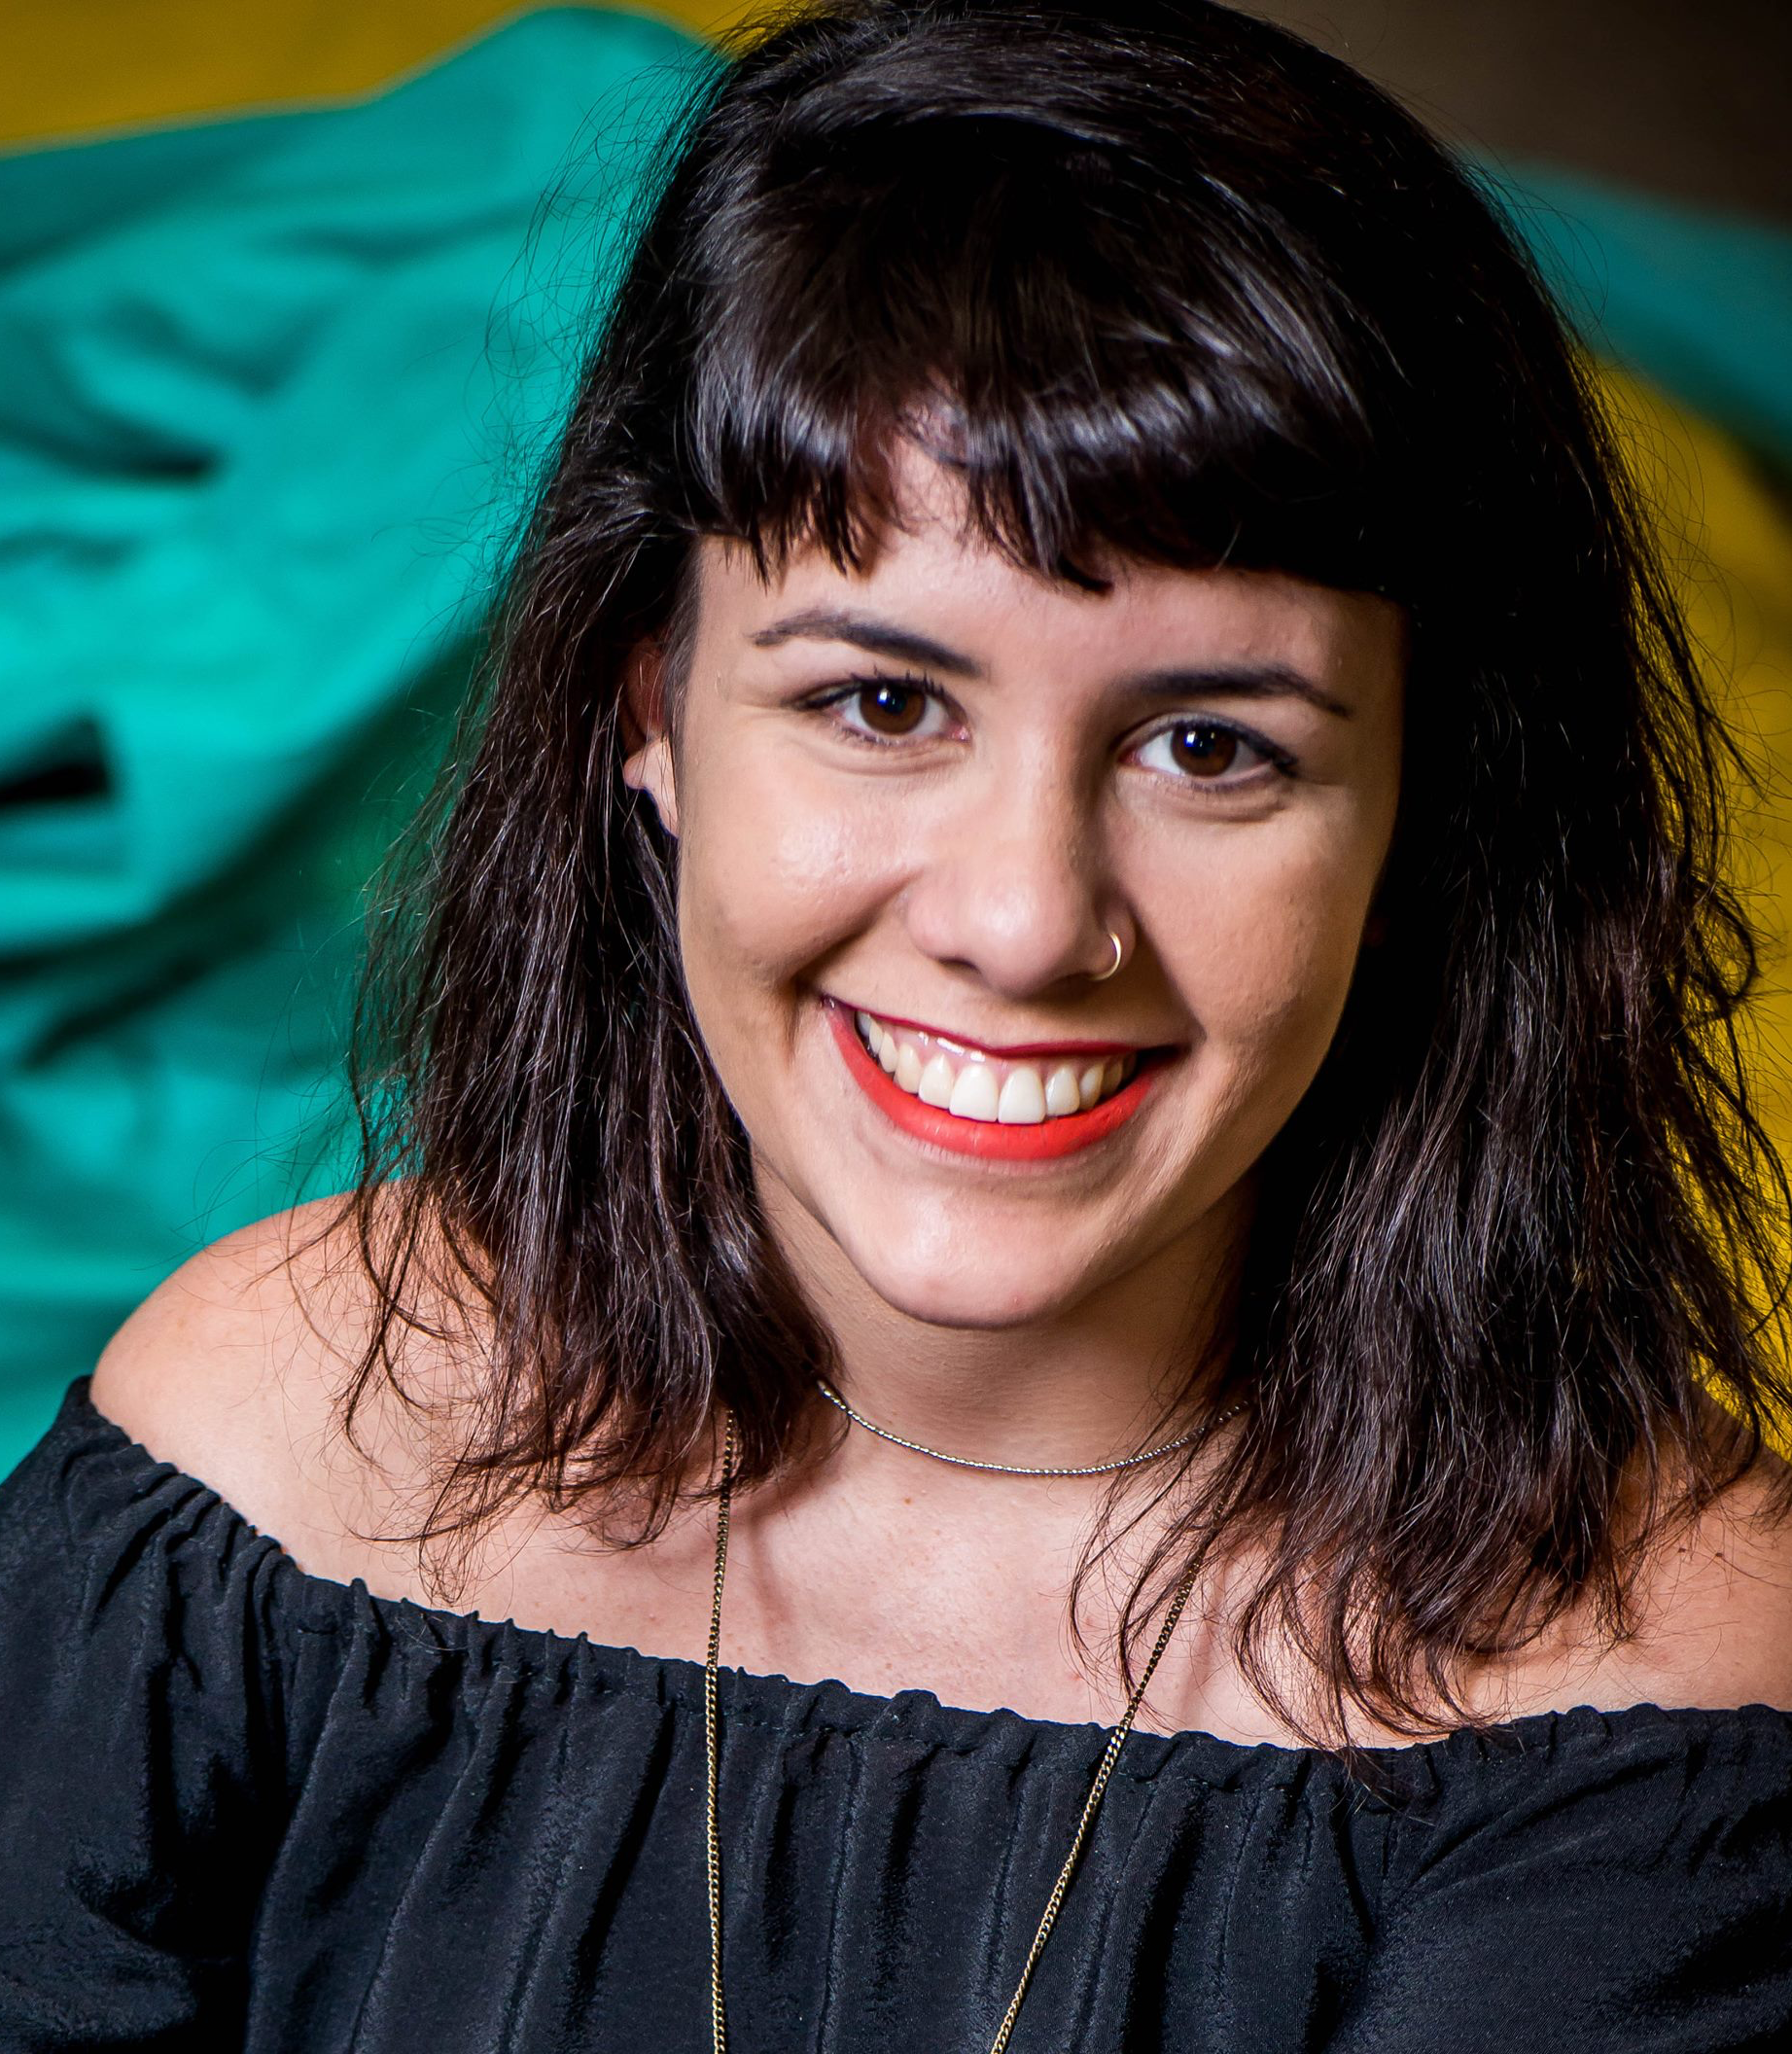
928	569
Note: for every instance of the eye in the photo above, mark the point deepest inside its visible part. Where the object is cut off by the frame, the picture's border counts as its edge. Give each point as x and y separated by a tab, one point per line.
881	709
1210	752
891	709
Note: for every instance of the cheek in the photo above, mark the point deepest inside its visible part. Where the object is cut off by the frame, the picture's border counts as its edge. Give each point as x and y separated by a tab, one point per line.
1265	950
772	875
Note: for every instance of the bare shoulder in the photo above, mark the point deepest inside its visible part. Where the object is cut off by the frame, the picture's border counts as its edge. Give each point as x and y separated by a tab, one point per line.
234	1367
1717	1624
1711	1617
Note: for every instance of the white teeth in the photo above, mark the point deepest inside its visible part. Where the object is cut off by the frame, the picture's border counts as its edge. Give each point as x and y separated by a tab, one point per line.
974	1096
1014	1094
1061	1093
935	1087
1021	1103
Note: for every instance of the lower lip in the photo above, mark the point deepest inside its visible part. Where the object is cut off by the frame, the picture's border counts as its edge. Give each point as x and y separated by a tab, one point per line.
989	1139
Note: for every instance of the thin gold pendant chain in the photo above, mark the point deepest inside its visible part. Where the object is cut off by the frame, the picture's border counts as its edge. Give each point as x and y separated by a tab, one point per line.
718	2013
1116	1739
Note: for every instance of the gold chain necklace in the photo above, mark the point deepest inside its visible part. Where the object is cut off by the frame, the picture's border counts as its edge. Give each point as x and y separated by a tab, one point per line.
719	2018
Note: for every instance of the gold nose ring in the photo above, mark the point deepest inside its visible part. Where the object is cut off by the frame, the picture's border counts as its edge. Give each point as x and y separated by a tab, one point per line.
1100	977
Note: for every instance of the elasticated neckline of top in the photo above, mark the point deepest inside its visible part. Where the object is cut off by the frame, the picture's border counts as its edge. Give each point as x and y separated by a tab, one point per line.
111	1479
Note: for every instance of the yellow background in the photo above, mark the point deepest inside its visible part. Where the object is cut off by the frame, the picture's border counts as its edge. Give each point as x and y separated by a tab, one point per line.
84	67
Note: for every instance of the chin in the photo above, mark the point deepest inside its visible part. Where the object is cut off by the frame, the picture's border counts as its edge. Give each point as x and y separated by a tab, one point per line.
987	1296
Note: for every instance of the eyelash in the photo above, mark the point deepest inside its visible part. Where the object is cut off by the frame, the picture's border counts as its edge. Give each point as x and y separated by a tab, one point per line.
1274	758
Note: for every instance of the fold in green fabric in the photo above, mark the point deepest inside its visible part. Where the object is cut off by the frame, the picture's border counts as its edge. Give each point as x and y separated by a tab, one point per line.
271	391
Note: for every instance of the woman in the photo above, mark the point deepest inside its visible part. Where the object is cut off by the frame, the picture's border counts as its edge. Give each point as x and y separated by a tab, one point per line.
1066	1062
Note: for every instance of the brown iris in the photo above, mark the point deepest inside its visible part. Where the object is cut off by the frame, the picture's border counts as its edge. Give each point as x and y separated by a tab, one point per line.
891	709
1205	752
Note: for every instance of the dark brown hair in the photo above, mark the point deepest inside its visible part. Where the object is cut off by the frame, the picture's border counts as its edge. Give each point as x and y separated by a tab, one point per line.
1160	282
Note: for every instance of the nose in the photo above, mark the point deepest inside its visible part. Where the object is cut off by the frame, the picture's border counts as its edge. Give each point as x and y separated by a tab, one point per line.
1014	885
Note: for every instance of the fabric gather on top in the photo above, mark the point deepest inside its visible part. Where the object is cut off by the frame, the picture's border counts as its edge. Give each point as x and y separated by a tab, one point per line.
246	1806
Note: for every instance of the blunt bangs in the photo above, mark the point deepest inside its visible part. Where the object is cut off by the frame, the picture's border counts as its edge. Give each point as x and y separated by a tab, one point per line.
1113	364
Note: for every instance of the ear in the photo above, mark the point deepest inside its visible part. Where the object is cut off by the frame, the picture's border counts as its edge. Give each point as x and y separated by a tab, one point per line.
647	765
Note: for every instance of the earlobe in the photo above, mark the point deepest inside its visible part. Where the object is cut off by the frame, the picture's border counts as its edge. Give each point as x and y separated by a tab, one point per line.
650	769
647	765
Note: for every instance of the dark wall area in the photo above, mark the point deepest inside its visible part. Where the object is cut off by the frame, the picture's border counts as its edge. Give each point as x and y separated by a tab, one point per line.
1693	101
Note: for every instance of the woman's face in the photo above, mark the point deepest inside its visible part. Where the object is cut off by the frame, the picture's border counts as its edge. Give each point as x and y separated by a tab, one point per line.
927	793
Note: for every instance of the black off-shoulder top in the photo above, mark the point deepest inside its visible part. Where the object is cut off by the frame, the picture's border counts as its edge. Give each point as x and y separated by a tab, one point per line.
241	1806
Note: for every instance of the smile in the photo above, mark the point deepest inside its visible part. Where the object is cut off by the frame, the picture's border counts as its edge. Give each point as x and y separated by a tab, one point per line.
1018	1105
971	1084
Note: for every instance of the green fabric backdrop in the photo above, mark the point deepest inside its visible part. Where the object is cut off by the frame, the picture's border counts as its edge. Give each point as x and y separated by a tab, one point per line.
268	390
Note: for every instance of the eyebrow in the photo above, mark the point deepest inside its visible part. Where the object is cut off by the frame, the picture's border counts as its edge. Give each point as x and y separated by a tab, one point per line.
880	637
1248	681
883	638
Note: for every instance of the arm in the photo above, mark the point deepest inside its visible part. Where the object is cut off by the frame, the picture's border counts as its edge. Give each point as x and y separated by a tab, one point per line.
1624	1887
142	1770
142	1780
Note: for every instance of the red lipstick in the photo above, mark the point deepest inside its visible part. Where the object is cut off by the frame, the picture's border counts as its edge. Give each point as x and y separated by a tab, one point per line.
989	1139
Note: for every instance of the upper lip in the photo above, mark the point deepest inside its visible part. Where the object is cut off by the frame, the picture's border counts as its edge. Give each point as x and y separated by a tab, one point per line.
1013	1050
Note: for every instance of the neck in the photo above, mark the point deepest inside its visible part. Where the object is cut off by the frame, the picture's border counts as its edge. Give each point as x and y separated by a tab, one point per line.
1117	1371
